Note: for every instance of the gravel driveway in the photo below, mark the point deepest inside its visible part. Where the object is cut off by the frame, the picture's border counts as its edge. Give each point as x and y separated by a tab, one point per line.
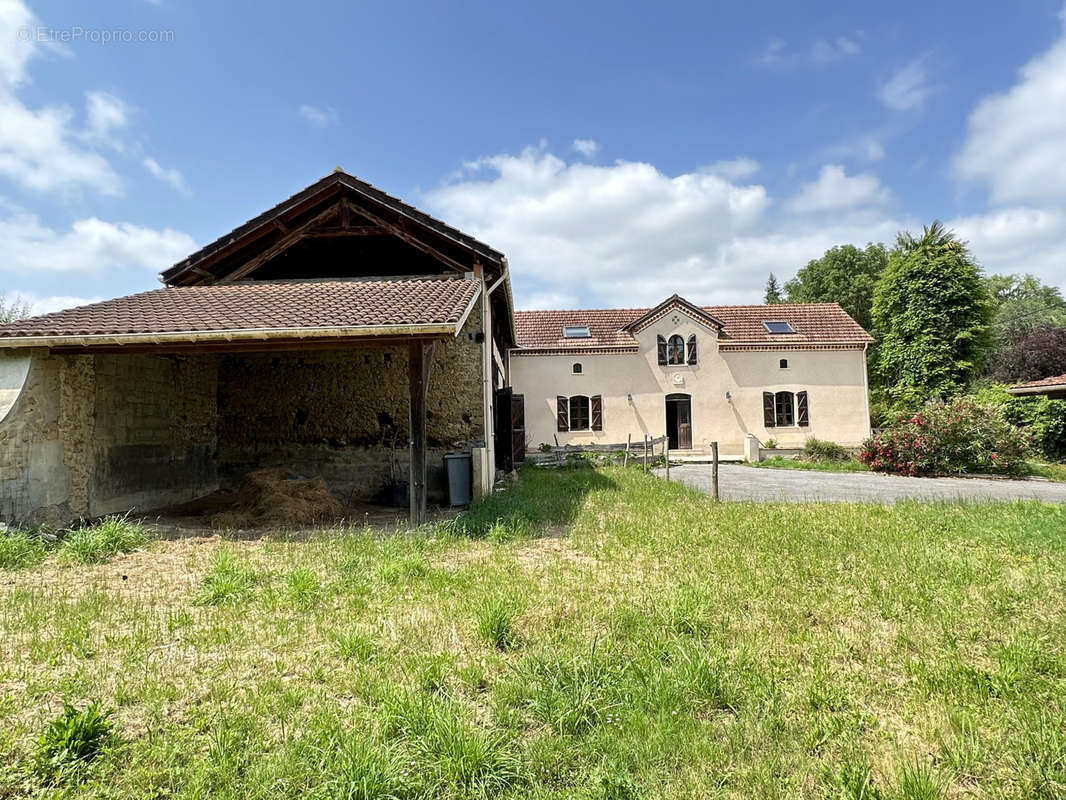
737	482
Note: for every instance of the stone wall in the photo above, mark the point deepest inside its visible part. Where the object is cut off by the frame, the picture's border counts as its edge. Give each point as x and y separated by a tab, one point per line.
343	414
94	435
153	441
34	480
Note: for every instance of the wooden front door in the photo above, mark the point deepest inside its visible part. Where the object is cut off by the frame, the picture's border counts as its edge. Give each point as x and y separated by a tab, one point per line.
679	421
684	424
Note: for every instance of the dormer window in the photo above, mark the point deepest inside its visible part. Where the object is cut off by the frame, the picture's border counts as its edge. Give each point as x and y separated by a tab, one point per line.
576	332
778	326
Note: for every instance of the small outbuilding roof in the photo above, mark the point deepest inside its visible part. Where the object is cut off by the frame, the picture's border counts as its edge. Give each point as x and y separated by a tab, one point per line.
1054	386
257	310
611	329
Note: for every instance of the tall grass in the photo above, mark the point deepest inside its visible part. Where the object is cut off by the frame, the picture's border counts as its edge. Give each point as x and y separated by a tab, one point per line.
631	639
20	549
102	541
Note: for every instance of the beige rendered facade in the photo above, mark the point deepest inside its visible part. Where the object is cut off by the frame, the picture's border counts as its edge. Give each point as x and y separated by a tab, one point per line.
725	391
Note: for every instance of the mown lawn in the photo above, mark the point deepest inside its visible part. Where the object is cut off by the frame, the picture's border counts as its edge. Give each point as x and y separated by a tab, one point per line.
777	462
615	637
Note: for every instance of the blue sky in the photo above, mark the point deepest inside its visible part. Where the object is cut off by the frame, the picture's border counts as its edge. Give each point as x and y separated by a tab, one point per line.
615	154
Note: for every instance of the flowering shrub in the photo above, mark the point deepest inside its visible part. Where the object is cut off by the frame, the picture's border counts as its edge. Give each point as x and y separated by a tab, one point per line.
944	438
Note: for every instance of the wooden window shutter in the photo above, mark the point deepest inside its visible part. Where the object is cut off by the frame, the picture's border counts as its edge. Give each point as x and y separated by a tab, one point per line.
562	413
769	417
802	411
692	349
662	349
596	412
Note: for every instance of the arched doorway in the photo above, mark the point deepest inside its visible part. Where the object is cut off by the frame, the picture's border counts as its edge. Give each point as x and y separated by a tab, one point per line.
679	421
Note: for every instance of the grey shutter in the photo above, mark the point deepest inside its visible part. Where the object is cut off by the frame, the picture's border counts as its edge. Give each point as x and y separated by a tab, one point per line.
692	349
596	412
562	414
769	417
662	349
802	412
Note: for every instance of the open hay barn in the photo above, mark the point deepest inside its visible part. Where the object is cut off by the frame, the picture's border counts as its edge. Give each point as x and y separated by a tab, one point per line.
342	334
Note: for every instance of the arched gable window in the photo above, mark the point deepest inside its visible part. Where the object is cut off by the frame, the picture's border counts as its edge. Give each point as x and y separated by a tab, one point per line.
692	349
675	350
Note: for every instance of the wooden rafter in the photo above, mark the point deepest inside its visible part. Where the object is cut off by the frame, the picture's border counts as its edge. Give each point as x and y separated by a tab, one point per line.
351	230
399	232
280	246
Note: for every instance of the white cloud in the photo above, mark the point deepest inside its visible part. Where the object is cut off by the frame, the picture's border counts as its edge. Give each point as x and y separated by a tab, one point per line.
18	49
1018	239
835	190
824	52
320	117
908	87
1017	140
169	176
106	114
734	169
773	53
49	303
587	147
91	246
40	148
627	234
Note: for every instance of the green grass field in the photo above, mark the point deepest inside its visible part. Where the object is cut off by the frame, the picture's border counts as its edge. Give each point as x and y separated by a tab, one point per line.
592	633
777	462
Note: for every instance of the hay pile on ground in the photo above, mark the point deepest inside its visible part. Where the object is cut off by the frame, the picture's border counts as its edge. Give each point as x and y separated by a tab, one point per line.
277	498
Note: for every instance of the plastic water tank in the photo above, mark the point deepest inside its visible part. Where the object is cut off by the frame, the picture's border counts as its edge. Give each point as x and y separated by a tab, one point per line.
460	478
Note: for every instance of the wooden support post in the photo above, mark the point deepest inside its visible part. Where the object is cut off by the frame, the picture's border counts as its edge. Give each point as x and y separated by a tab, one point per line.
645	454
714	470
625	458
419	361
666	452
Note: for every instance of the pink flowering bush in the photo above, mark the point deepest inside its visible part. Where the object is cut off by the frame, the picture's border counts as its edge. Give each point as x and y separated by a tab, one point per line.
959	436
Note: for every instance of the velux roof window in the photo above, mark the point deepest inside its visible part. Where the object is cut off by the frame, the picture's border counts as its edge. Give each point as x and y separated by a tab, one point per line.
778	327
576	332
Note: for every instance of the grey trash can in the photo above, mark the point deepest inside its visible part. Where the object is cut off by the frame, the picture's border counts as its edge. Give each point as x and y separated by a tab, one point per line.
460	478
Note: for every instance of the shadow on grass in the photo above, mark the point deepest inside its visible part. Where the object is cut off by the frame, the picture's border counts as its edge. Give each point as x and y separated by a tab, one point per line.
537	501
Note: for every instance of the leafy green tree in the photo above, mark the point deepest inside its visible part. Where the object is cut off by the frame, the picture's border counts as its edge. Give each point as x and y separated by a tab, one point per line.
845	275
773	291
932	312
1023	305
15	309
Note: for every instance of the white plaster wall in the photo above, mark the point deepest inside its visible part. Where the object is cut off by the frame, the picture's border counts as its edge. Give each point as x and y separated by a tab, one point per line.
835	381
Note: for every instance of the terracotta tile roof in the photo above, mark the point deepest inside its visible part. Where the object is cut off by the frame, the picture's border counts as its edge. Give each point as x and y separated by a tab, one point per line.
1055	381
256	306
815	324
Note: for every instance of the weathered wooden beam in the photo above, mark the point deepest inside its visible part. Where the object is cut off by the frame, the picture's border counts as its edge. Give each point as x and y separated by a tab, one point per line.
239	346
280	246
351	230
397	230
419	362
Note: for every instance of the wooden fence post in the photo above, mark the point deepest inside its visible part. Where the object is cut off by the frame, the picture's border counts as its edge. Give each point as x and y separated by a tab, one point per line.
714	470
625	459
645	454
